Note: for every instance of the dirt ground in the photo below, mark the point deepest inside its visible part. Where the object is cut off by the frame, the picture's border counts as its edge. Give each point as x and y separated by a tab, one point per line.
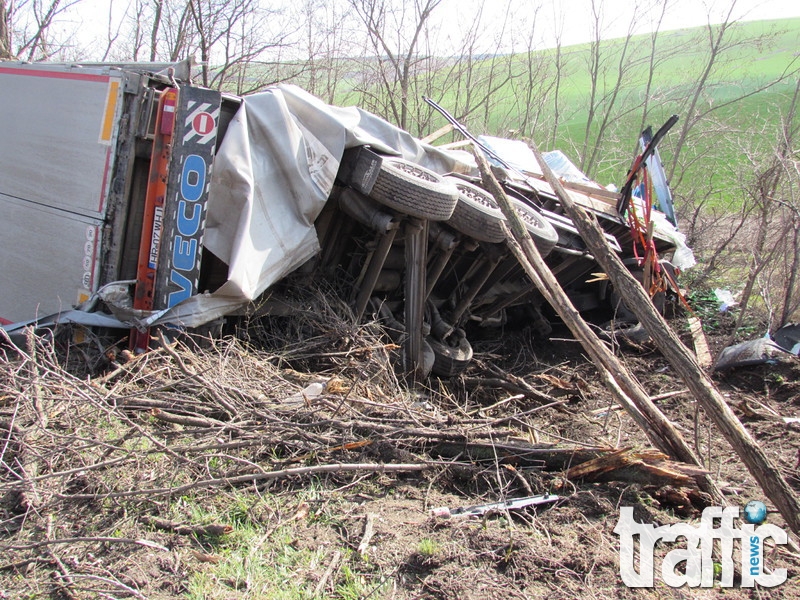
223	471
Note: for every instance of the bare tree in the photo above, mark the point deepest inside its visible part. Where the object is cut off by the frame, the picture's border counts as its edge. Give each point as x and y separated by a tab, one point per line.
327	46
608	80
395	34
177	31
27	29
790	301
235	40
558	65
114	30
480	73
158	7
721	43
497	73
251	42
773	191
5	32
137	37
655	58
156	30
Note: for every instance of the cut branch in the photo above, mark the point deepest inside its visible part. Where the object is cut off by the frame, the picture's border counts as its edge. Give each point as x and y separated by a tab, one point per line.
253	477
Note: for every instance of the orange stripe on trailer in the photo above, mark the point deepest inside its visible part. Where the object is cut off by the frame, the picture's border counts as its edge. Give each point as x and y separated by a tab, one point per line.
111	109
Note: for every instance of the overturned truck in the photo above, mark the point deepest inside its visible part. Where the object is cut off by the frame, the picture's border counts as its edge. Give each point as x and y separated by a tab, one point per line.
133	199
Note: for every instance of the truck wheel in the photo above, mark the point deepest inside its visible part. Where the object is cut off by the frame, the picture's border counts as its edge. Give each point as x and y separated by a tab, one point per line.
476	213
543	233
414	190
450	360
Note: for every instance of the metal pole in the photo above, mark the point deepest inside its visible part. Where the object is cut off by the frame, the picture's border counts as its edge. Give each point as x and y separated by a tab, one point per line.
416	234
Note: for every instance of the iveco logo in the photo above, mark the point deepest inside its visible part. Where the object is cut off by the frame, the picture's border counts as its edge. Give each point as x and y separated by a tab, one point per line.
184	252
189	177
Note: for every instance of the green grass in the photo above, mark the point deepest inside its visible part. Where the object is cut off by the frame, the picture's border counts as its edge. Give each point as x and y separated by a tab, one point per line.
428	547
253	559
256	565
261	558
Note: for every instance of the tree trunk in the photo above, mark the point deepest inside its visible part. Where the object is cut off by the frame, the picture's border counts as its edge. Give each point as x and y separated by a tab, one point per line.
627	390
158	7
5	33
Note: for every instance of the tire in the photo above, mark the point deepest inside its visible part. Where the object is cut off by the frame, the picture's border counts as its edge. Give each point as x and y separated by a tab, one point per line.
630	332
476	213
450	361
543	233
428	359
414	190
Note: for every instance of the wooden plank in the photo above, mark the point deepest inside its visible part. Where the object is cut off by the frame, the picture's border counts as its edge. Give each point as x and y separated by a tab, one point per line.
455	145
429	139
700	342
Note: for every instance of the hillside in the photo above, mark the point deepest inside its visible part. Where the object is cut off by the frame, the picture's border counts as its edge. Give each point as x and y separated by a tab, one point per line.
747	91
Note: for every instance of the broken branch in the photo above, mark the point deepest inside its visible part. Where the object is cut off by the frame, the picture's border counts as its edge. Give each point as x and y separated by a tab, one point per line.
253	477
628	391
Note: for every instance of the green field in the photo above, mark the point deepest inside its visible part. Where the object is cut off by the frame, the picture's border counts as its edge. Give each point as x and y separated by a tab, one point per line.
759	56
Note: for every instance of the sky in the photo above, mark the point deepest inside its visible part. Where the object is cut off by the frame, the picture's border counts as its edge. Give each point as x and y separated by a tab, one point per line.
572	18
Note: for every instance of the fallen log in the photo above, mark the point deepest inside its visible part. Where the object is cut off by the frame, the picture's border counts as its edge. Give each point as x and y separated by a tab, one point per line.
646	467
622	384
769	478
255	477
547	457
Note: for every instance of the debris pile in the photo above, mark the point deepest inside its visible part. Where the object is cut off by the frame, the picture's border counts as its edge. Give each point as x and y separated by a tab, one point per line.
96	468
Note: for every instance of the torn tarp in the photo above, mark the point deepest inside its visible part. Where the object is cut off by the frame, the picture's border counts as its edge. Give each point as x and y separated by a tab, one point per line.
753	352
